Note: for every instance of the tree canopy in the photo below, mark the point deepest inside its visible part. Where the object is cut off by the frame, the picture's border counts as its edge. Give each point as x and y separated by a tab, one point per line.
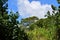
38	29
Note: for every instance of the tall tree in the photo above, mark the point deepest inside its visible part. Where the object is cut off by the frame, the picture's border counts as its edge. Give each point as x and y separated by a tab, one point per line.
3	7
28	21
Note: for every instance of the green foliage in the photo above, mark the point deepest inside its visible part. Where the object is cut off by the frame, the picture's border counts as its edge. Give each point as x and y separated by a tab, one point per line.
41	34
53	7
9	29
33	26
58	1
26	22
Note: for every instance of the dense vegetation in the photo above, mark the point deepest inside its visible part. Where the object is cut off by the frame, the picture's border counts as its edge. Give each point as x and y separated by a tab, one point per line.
31	28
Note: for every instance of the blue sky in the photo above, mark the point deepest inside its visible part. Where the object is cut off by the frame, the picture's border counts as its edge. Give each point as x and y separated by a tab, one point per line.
54	2
29	8
12	4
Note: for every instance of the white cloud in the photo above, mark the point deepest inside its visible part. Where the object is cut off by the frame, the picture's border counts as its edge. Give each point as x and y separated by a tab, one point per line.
27	9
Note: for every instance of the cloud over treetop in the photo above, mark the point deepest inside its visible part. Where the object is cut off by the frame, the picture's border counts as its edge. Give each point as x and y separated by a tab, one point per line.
35	8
